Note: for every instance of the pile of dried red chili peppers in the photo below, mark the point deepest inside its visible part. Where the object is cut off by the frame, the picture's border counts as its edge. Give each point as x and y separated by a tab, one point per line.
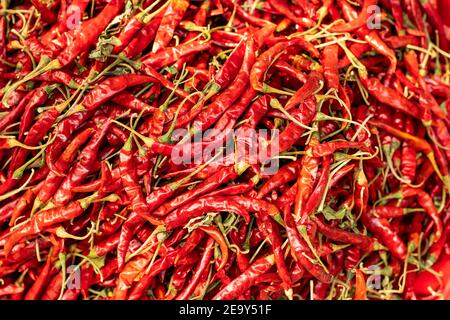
94	205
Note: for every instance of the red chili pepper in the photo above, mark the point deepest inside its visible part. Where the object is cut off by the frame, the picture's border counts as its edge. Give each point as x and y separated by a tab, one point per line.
313	83
273	233
328	148
222	176
54	287
199	271
427	282
293	132
87	160
11	289
244	15
305	181
54	179
300	249
45	219
24	202
46	14
20	108
167	56
282	7
316	196
212	113
172	17
7	210
263	62
141	39
88	32
358	22
416	142
198	207
215	233
361	288
229	118
359	240
164	263
371	36
330	66
427	204
35	290
284	175
130	183
247	279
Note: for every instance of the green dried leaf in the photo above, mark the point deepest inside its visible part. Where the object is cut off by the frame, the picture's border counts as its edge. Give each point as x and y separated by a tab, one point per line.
330	214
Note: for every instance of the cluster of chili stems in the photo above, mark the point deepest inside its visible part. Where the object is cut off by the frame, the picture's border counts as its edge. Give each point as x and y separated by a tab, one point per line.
94	206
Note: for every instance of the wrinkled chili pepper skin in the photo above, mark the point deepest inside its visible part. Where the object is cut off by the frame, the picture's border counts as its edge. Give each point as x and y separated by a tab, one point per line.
300	249
264	60
82	168
361	241
239	285
284	175
292	133
62	165
305	181
43	220
222	176
201	206
172	16
89	31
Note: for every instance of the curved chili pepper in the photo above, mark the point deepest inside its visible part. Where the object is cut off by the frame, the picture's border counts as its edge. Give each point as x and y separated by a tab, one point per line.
35	290
305	180
300	249
24	201
317	194
53	179
215	233
284	175
360	21
247	279
172	17
359	240
273	233
21	107
424	199
88	32
82	168
222	176
371	36
44	219
313	83
427	282
263	62
199	271
198	207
